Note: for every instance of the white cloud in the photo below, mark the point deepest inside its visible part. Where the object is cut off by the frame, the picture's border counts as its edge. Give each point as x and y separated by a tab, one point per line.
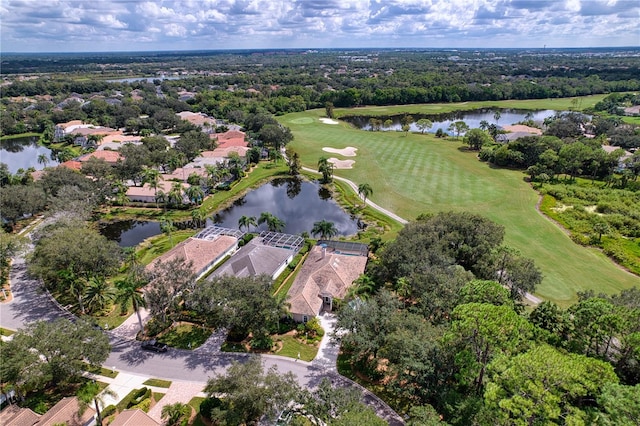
162	24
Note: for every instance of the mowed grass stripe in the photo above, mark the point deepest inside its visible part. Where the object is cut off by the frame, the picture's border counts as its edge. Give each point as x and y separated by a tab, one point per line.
413	174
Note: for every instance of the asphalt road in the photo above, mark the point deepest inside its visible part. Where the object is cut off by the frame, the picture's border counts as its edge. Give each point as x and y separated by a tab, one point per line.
31	304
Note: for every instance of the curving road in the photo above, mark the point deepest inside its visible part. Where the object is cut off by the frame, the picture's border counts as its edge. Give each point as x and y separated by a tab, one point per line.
30	303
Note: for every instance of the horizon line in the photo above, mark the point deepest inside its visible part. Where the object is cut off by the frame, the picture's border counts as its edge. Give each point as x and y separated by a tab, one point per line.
302	49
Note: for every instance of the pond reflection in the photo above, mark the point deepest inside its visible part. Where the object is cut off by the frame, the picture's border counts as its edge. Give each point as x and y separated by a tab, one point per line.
22	153
130	233
443	121
299	204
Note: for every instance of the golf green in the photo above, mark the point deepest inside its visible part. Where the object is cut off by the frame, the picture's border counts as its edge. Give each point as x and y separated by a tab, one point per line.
415	173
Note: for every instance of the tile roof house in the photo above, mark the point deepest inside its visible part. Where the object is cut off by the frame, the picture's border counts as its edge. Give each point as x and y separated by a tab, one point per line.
111	157
16	416
147	194
183	173
133	418
71	164
218	155
67	412
230	138
327	273
256	258
206	123
203	253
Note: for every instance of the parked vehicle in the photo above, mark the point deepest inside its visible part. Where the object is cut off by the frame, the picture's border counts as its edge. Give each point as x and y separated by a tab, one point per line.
154	346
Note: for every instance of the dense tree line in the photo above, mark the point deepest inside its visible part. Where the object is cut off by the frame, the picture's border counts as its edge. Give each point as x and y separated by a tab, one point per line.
226	83
446	328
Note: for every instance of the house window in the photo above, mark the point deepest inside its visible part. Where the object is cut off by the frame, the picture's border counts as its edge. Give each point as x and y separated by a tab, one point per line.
305	318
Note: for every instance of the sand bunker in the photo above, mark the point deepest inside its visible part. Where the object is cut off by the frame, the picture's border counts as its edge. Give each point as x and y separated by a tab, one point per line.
341	164
346	152
522	128
329	121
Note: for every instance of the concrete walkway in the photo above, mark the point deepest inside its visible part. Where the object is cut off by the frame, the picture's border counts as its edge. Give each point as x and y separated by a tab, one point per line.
375	206
125	382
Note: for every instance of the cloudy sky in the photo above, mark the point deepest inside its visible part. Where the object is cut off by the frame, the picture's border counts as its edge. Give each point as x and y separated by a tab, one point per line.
137	25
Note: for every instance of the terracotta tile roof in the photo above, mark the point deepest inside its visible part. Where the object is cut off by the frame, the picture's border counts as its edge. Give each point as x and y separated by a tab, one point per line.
37	175
16	416
197	118
110	157
232	142
329	273
184	173
230	134
86	131
254	259
66	412
119	137
71	164
70	124
134	418
201	252
224	152
146	190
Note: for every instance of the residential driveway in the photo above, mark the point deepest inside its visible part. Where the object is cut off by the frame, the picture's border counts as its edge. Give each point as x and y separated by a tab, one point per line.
30	304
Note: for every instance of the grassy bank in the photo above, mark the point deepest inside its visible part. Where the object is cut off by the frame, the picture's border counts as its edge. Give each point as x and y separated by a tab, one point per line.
559	104
19	136
416	173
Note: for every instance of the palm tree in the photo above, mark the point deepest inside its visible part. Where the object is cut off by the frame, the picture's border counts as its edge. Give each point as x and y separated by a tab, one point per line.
246	221
90	392
195	194
325	229
274	224
294	164
484	125
151	176
166	225
496	116
43	159
98	294
199	217
326	168
364	190
175	194
362	288
128	295
174	414
75	285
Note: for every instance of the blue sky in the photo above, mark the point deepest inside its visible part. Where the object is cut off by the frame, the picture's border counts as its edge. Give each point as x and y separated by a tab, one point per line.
136	25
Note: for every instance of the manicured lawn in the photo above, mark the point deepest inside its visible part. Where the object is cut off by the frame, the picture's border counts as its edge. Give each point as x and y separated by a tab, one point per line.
291	347
106	372
156	246
185	336
415	173
159	383
195	404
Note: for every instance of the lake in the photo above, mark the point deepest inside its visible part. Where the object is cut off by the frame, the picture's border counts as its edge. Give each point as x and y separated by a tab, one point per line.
299	204
130	233
443	121
22	153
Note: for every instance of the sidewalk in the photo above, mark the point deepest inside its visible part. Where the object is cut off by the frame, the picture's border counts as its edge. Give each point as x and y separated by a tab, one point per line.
124	383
